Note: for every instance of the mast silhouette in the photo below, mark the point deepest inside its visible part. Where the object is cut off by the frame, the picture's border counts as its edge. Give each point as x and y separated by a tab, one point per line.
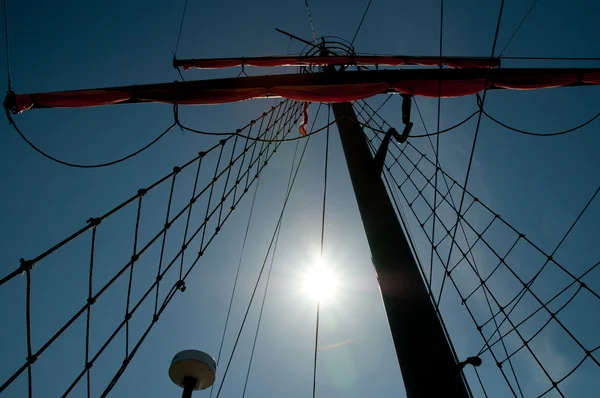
429	368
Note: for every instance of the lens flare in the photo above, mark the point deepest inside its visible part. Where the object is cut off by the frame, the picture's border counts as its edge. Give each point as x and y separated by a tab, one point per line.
320	283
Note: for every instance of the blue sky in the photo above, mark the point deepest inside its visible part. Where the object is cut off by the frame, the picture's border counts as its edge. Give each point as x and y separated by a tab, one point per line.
538	184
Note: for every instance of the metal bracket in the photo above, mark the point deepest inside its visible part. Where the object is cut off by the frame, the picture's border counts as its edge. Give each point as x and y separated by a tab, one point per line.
475	361
379	159
406	105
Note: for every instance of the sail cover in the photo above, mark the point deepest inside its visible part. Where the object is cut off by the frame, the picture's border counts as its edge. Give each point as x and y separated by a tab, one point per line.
382	60
316	87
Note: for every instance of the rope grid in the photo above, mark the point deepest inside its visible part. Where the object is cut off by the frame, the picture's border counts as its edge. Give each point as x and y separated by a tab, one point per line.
272	246
507	300
221	176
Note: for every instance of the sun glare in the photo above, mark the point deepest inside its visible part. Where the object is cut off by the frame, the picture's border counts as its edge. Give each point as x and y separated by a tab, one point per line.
319	282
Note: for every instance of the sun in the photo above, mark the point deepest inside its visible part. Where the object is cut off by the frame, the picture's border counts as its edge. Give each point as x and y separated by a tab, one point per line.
319	282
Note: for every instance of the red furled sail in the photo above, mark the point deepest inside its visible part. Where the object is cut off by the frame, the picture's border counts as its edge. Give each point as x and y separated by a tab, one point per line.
382	60
304	122
315	87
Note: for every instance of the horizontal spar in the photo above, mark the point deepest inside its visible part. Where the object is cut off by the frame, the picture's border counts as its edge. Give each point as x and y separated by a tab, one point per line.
314	87
382	60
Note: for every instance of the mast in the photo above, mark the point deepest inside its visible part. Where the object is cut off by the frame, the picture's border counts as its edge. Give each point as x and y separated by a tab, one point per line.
428	366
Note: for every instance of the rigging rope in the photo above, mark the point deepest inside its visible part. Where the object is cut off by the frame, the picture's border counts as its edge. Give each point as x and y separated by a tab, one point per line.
381	131
552	58
434	247
422	223
505	310
278	225
264	297
178	38
492	118
314	389
361	22
287	126
485	91
402	217
85	166
549	259
312	27
251	165
7	49
237	273
578	127
180	28
300	137
288	189
518	27
155	140
437	139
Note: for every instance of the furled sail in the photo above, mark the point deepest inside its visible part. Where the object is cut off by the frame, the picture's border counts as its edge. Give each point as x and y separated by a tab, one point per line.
316	87
382	60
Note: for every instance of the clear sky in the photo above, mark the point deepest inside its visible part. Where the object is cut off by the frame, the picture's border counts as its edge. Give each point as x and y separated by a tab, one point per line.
539	185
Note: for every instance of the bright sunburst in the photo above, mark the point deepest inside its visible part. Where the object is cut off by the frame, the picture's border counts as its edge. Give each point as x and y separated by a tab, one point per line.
320	282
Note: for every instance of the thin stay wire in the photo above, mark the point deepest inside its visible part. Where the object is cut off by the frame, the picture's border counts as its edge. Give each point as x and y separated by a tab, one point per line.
314	390
448	198
86	166
471	156
553	134
180	27
518	27
312	27
179	38
285	202
237	274
6	44
437	142
361	22
452	204
264	297
527	286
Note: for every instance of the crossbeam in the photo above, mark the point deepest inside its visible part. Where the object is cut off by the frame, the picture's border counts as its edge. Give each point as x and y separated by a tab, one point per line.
314	87
312	60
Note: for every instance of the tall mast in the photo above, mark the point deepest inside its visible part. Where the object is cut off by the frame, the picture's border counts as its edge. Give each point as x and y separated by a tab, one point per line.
428	366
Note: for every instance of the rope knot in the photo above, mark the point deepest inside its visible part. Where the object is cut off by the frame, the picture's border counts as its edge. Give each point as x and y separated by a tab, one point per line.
10	102
94	221
475	361
26	265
